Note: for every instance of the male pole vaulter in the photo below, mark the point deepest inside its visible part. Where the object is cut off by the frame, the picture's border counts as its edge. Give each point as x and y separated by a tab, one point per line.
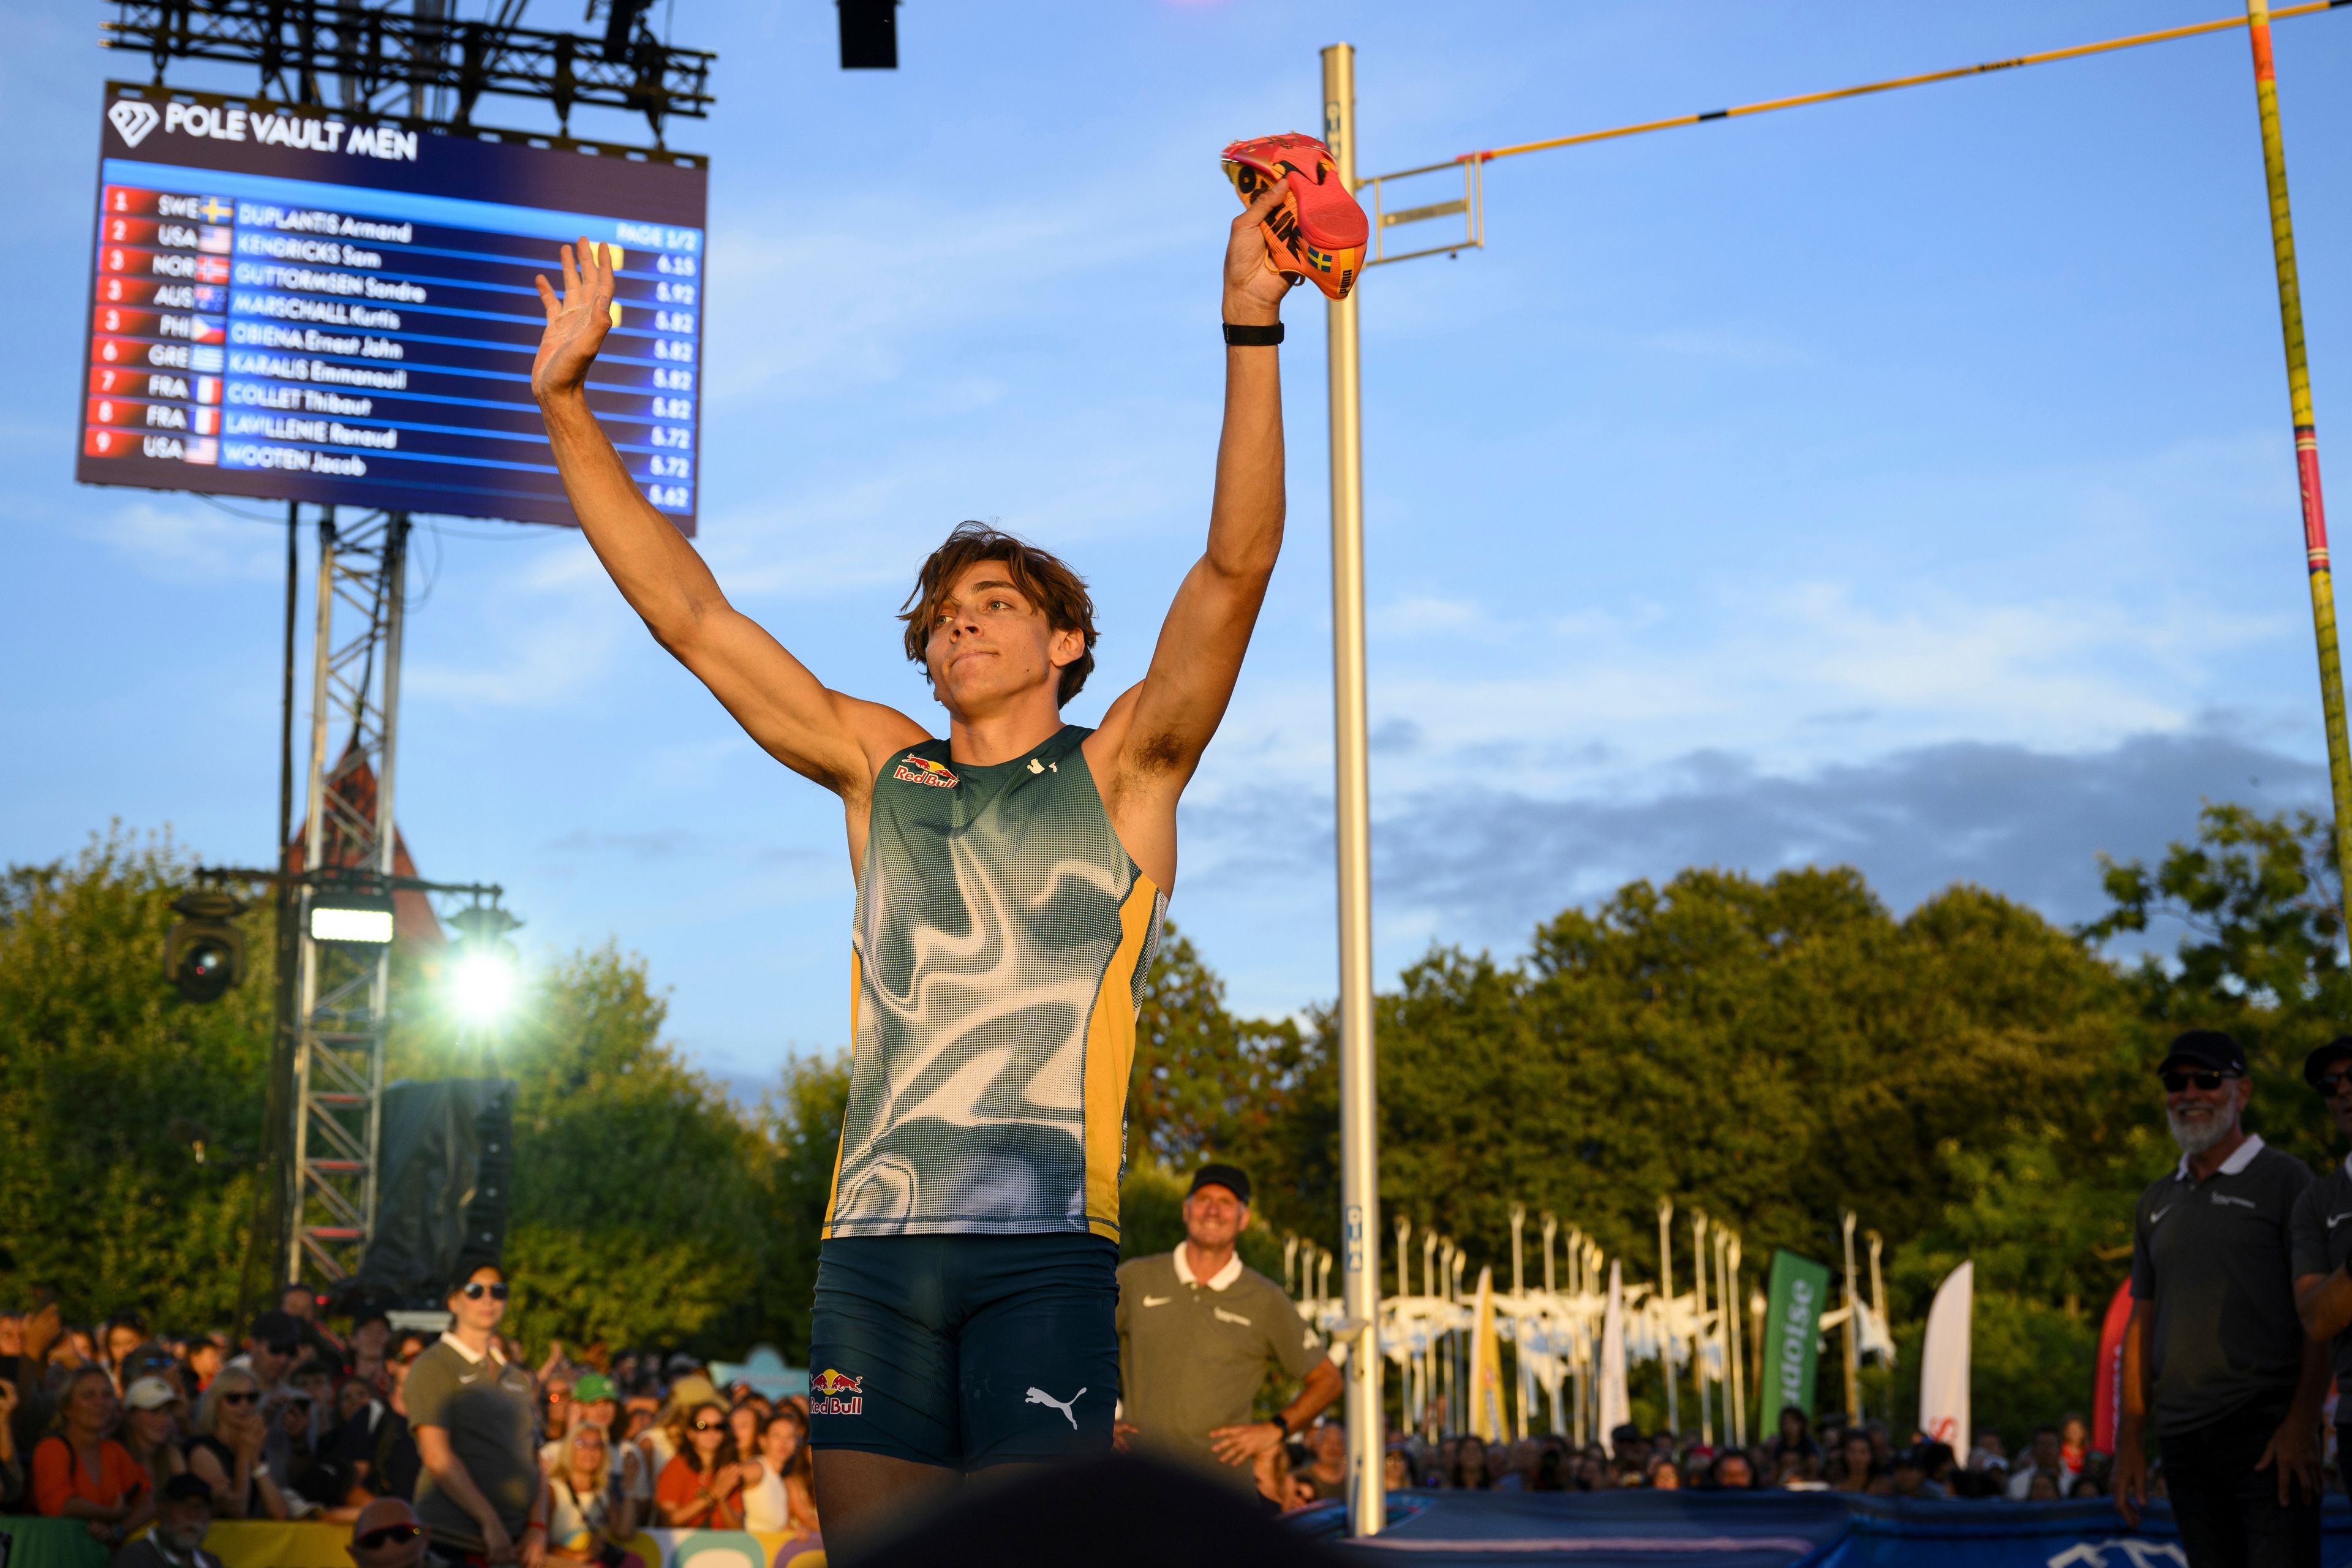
1010	883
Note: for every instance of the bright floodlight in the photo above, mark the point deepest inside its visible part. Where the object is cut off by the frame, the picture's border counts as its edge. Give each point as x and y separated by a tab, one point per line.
343	917
482	987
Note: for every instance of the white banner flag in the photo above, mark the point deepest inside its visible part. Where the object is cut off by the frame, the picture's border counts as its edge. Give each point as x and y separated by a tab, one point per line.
1944	1360
1616	1409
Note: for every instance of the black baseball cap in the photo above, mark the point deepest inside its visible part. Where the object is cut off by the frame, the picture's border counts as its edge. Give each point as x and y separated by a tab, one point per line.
1226	1176
2208	1048
2319	1061
186	1487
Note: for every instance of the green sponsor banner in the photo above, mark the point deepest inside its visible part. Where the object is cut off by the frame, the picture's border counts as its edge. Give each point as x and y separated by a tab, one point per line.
1792	1327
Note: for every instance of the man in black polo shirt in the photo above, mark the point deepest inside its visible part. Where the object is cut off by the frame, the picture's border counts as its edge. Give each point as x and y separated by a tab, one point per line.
2321	1232
2215	1352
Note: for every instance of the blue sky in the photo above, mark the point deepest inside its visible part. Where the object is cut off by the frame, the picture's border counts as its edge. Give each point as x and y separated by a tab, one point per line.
1903	482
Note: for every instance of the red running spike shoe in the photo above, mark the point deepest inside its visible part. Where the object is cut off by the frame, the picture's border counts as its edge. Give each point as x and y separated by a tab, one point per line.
1317	231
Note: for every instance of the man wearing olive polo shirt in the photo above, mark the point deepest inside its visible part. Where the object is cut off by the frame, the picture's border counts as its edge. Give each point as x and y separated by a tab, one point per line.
2321	1232
2215	1354
1198	1330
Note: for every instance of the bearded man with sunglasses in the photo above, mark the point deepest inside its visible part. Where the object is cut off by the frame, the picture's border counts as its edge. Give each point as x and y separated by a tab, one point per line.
2215	1354
2321	1232
481	1490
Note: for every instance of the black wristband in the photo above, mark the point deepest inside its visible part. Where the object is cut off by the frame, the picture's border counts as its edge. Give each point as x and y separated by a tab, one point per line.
1253	338
1277	1418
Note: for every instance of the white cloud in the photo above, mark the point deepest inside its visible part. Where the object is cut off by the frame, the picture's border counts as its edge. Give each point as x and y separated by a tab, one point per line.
185	540
548	664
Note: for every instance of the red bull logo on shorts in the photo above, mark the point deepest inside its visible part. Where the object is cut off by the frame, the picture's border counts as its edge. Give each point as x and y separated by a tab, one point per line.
826	1389
923	771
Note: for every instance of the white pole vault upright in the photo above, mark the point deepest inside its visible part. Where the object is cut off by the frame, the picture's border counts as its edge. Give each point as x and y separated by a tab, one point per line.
344	997
1359	1200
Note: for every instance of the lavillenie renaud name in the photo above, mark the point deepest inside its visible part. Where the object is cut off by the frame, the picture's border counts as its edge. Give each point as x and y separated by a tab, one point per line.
324	432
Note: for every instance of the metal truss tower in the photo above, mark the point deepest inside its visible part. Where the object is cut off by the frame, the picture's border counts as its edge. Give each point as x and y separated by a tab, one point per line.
345	996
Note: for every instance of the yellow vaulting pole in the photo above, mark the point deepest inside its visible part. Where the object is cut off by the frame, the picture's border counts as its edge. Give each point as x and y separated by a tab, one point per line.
1922	78
2306	436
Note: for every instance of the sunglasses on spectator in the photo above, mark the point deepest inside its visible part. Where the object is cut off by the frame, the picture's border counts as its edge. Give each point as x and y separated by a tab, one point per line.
283	1347
2329	1082
2174	1082
390	1535
247	1397
710	1426
475	1289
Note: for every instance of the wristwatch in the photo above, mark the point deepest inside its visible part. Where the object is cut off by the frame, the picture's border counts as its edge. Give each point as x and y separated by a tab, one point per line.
1241	337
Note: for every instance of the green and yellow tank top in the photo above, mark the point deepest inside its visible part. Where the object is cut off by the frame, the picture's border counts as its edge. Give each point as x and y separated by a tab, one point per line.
1001	942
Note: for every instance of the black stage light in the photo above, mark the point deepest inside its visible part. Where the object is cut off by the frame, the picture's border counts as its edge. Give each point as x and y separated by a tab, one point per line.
621	21
869	35
204	954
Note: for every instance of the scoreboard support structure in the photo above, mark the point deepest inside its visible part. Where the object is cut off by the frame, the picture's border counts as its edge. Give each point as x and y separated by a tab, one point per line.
328	303
343	1010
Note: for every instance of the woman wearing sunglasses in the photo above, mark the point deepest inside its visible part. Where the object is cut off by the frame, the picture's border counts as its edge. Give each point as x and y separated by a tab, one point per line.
699	1489
469	1407
226	1452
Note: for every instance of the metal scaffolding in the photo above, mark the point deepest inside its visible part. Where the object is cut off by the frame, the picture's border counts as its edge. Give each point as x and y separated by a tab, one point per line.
345	991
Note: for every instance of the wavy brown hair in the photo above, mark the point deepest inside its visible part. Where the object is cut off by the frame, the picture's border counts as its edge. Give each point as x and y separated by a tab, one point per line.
1059	594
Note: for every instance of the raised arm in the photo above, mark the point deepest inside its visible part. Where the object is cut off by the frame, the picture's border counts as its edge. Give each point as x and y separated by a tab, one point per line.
838	741
1155	733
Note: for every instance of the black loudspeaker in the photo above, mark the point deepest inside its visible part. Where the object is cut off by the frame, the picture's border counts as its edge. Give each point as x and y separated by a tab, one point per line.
444	1157
869	35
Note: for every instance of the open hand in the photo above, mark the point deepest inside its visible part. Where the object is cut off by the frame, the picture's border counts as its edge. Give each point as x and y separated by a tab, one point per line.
2130	1482
2295	1450
576	324
1253	289
41	1330
1247	1443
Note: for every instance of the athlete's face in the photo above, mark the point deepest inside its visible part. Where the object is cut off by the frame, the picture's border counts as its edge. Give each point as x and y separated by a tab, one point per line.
1213	1217
989	642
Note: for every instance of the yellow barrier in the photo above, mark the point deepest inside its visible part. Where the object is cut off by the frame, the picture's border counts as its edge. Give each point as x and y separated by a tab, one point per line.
267	1543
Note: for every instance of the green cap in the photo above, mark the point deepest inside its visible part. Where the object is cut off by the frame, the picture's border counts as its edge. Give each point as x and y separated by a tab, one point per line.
592	1387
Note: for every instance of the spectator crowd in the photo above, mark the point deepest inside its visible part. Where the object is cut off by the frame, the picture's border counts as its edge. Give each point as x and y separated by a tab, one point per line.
1841	1456
123	1428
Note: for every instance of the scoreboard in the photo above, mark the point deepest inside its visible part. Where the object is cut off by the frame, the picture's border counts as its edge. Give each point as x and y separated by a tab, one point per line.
290	305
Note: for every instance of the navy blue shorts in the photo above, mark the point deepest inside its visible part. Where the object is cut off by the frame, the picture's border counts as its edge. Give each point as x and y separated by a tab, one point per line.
965	1351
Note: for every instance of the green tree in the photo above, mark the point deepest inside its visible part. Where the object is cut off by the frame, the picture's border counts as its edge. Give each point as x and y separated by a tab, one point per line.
2261	952
130	1120
801	1125
1204	1080
638	1217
